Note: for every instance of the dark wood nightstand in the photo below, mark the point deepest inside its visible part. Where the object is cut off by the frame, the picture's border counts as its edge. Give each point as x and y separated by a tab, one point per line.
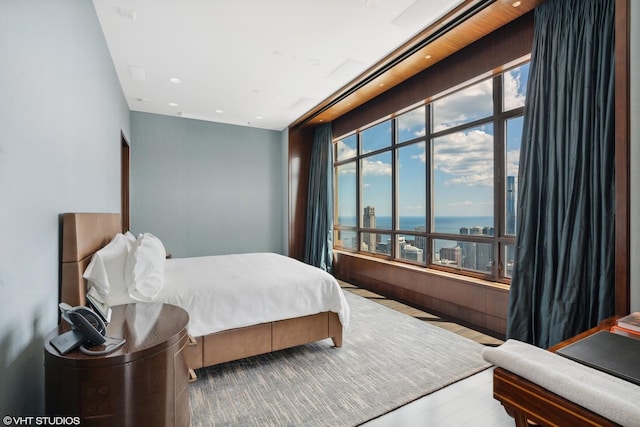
144	383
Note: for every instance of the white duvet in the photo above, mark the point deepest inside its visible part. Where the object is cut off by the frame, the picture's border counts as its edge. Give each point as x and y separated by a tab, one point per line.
232	291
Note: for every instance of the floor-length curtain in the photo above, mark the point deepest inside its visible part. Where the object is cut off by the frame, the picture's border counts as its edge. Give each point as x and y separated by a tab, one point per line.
563	279
319	231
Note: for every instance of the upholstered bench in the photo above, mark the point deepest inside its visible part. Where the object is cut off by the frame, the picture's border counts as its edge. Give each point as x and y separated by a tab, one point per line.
611	398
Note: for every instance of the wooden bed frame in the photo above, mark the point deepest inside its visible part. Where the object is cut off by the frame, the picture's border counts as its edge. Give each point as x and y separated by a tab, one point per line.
85	233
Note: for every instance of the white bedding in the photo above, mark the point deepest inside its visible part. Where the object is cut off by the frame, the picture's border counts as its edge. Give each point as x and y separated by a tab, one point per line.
231	291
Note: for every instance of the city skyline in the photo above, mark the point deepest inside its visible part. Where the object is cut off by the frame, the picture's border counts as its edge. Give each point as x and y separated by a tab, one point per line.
462	161
468	255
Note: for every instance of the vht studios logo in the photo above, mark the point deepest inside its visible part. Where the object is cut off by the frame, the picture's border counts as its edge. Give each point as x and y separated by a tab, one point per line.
41	421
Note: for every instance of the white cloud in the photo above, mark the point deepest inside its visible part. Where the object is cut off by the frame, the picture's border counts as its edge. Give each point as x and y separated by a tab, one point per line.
422	156
344	151
467	158
463	203
514	96
370	168
513	162
347	168
377	168
463	106
413	122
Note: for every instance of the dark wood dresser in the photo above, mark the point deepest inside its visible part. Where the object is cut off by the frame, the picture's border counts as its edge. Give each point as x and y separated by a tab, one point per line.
144	383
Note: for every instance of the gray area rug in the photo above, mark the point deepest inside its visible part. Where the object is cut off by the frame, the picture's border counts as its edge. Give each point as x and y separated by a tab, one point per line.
387	360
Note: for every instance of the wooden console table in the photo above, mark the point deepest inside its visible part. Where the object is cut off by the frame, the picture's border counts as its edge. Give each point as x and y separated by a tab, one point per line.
144	383
528	403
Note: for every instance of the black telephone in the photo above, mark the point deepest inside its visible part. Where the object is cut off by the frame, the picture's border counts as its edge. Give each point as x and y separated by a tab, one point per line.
88	329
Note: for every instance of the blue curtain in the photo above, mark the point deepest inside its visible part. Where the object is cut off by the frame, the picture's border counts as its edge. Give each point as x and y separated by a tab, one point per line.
319	231
563	279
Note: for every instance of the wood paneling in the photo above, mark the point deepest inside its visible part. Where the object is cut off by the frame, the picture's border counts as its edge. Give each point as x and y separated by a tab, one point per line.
469	301
125	178
491	53
300	142
622	166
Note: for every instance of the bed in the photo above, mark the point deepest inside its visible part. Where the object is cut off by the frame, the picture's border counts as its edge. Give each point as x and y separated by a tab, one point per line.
317	316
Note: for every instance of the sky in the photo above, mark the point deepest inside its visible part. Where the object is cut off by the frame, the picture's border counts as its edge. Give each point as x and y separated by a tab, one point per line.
463	161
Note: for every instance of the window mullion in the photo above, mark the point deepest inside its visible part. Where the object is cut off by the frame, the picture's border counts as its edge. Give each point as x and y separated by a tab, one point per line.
498	176
394	191
428	144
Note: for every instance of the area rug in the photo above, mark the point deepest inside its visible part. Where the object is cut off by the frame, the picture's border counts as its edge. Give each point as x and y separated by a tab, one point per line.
387	360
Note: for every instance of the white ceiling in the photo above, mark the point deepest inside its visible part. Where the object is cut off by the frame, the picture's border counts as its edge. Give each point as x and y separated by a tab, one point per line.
256	63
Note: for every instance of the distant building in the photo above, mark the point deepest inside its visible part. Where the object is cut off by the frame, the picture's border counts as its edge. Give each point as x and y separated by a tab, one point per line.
511	219
451	256
421	241
476	256
511	205
410	252
369	221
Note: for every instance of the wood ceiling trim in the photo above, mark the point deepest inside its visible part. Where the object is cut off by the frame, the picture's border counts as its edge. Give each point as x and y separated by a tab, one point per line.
469	22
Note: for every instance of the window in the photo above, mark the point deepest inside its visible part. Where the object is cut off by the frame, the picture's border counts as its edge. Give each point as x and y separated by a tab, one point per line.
436	185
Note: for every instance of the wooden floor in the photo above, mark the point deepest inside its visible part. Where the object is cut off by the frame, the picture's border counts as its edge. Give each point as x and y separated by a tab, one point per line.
466	403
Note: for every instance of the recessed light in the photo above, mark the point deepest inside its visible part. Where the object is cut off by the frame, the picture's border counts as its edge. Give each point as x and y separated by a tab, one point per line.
516	3
219	111
427	56
174	80
173	104
381	84
143	100
259	117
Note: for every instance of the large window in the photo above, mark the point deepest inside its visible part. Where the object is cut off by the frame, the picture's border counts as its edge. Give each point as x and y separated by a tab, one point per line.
436	185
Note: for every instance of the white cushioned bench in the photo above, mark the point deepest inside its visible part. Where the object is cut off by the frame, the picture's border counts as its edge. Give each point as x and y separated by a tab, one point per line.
611	397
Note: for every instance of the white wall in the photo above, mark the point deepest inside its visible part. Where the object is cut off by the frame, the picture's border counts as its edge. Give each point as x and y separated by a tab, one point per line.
634	180
207	188
61	114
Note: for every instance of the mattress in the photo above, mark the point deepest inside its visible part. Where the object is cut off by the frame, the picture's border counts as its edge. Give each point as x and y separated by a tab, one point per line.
232	291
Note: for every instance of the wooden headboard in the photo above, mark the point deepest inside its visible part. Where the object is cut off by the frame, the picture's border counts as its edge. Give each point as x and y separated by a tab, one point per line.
82	235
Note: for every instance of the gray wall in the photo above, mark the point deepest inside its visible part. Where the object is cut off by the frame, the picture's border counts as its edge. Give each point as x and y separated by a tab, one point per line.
61	114
207	188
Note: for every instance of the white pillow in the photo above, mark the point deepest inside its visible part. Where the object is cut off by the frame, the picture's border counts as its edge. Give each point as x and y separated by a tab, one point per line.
105	272
156	242
130	238
144	268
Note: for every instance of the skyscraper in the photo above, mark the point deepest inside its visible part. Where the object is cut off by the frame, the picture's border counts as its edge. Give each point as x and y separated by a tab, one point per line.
476	256
451	256
408	251
511	217
511	205
369	221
